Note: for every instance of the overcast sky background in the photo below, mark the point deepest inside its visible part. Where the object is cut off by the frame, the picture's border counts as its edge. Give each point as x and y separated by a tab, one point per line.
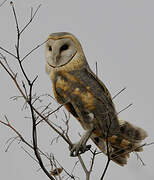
119	35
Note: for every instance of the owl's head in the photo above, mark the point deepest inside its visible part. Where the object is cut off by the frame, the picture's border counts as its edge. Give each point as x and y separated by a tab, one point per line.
63	48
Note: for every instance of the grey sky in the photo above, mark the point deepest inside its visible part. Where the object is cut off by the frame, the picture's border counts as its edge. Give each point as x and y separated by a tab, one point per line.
119	35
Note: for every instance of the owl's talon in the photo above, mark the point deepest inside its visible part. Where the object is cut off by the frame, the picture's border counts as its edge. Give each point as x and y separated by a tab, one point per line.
79	149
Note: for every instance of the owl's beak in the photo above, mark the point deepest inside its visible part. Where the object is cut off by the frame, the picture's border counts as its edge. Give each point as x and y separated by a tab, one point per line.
56	59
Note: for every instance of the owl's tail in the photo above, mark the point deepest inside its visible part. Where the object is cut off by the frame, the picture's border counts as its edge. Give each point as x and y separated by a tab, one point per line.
120	146
132	133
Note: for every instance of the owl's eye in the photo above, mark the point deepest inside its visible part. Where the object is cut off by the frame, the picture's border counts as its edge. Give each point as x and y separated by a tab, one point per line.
50	48
64	47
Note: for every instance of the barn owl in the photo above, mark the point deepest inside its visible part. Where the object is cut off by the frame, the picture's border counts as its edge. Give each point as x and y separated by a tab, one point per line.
85	96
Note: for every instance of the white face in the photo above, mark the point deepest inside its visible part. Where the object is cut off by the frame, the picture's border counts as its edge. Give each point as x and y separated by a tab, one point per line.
59	52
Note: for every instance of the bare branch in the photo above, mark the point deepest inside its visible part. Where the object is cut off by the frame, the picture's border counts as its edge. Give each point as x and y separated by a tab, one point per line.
96	69
70	175
24	86
34	133
138	157
57	171
29	101
18	43
15	16
30	52
17	132
27	94
8	66
8	52
32	15
39	114
125	108
119	93
50	114
105	170
10	142
108	156
29	154
84	167
92	160
108	150
74	167
10	74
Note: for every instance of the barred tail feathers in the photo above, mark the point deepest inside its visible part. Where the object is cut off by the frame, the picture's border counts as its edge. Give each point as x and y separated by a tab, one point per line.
101	144
120	146
131	132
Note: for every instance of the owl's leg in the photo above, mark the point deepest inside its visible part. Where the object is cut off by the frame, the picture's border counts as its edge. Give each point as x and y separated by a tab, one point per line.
81	147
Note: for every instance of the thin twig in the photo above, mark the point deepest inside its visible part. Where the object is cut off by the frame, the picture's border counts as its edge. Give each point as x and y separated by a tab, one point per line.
70	175
28	96
125	108
8	52
18	43
108	160
105	170
8	66
29	154
34	133
74	166
119	93
38	113
84	167
45	108
19	135
30	52
29	101
10	143
96	69
31	18
50	114
92	160
57	172
108	151
138	157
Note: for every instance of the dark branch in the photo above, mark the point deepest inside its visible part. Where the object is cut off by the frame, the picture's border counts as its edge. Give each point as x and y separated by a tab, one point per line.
8	52
32	51
29	101
119	93
31	18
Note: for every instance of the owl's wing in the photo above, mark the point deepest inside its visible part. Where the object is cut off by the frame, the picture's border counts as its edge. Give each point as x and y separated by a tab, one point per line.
100	92
91	80
92	83
86	94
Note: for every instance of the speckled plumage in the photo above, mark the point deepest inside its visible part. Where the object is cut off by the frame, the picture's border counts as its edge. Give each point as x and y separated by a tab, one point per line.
87	98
